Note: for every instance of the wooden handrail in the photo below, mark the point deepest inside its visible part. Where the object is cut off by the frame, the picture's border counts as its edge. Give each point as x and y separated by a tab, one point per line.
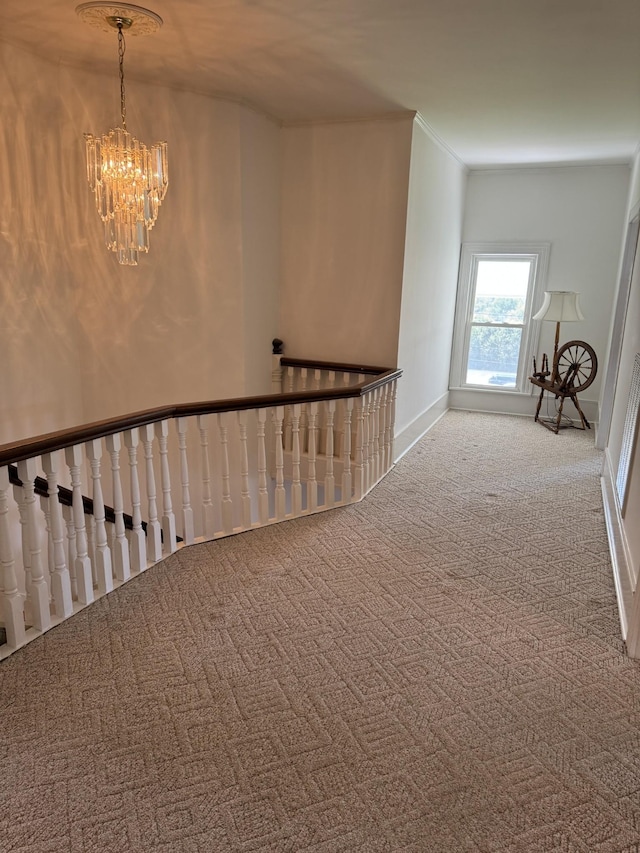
16	451
338	367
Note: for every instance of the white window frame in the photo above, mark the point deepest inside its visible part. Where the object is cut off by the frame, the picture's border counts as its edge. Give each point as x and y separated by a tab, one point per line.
470	256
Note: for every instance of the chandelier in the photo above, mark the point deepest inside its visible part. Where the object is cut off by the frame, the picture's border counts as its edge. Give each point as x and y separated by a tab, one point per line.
128	178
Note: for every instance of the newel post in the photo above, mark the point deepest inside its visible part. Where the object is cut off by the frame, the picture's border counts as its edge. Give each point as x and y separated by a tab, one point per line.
276	367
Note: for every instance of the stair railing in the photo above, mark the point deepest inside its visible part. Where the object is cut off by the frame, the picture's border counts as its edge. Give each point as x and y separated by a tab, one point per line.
168	477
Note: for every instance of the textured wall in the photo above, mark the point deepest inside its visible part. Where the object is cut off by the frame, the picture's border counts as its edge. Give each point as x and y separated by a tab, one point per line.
82	338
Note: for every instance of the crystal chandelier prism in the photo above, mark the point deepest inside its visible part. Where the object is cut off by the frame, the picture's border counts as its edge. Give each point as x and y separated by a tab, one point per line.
129	179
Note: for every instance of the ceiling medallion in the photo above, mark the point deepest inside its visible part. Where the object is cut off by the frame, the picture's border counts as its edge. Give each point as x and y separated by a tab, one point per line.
103	16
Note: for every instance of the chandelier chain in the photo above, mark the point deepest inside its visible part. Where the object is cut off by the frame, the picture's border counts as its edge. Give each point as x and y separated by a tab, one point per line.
121	50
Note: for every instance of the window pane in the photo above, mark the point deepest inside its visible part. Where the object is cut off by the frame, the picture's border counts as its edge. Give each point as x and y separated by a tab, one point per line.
501	291
493	356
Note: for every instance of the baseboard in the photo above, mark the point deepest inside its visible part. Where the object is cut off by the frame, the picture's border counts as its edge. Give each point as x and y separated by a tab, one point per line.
619	550
512	403
411	434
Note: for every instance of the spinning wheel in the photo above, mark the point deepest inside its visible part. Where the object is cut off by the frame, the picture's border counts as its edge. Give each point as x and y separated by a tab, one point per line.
574	369
577	365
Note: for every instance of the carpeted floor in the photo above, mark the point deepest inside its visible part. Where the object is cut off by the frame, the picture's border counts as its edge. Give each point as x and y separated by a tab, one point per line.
438	668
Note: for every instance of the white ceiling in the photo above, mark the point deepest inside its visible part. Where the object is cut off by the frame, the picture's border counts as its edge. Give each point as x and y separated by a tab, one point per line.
501	82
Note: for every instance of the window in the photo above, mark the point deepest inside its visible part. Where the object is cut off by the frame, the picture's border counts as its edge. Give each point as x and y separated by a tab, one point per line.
493	340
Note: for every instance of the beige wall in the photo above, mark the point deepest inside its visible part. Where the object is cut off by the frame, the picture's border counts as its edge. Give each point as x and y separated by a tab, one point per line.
434	223
40	387
83	338
344	212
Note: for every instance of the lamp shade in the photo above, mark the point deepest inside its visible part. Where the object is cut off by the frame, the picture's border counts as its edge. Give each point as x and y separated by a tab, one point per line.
560	306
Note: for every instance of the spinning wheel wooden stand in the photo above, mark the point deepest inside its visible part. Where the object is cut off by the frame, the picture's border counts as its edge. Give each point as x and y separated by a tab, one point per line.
574	369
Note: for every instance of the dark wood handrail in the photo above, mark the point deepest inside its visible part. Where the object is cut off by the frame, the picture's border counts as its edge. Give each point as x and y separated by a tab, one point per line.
333	365
16	451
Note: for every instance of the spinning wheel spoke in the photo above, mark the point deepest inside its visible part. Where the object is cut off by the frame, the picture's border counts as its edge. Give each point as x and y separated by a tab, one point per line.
577	365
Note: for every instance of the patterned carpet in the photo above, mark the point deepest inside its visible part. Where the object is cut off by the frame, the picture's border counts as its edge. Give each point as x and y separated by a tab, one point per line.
438	668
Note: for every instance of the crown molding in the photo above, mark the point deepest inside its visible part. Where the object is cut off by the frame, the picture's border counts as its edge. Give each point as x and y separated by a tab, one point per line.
439	141
399	115
548	167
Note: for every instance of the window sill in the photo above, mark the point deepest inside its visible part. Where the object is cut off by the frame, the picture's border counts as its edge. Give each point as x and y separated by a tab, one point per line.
511	392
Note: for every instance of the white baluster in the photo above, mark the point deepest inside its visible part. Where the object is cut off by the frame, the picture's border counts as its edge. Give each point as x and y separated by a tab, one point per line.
12	600
154	531
343	380
60	578
346	451
330	382
245	494
121	563
83	573
382	429
47	564
137	539
366	439
315	386
329	480
338	433
103	567
286	429
263	495
381	426
304	419
72	551
288	386
280	495
18	496
392	420
296	486
168	517
208	523
90	527
386	429
39	592
312	482
226	505
368	443
359	482
187	513
375	438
